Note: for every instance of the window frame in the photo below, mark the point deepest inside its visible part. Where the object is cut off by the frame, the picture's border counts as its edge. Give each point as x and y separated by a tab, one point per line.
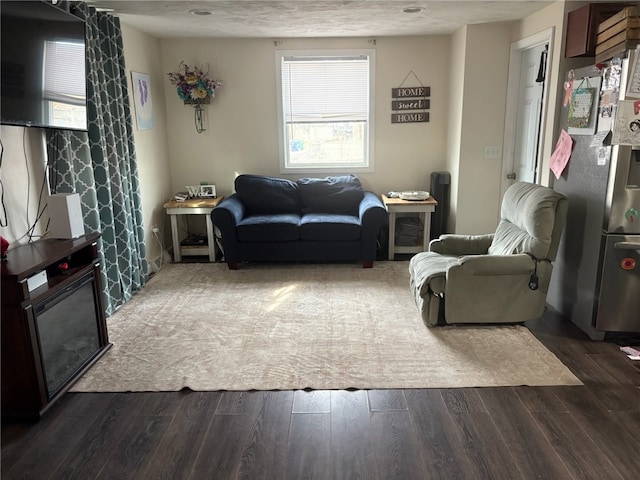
368	164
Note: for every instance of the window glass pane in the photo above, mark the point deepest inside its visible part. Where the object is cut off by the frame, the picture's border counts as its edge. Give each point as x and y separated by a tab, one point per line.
327	143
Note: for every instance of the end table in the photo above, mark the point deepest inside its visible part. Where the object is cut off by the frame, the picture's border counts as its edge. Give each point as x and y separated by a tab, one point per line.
193	206
423	207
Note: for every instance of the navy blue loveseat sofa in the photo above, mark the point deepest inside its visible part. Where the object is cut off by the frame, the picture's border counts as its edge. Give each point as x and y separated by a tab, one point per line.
270	219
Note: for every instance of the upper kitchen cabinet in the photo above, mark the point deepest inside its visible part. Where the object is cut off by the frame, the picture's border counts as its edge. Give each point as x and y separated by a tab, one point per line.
582	26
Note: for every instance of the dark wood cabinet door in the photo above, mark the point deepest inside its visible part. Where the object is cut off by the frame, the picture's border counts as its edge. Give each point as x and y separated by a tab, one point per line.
582	27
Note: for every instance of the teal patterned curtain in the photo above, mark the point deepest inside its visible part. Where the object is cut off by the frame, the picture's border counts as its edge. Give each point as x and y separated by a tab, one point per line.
100	165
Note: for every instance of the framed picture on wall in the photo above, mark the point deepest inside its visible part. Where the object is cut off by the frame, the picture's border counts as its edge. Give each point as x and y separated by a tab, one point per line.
583	106
141	86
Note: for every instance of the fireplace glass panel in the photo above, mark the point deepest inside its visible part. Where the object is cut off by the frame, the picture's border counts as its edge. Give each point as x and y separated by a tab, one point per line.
68	334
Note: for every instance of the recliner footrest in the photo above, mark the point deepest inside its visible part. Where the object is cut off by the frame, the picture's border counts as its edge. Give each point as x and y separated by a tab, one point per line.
427	271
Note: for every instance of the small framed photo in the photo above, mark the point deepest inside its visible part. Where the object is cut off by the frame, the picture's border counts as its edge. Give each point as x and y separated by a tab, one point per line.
208	191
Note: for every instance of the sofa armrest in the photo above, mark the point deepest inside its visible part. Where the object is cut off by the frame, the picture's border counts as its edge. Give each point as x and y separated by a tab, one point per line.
231	206
226	217
369	200
451	244
373	216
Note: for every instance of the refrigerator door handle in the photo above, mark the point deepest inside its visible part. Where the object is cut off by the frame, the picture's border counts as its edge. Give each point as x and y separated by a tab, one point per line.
626	246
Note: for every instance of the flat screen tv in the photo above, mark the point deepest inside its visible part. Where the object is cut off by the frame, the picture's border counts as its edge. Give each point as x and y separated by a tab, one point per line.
42	71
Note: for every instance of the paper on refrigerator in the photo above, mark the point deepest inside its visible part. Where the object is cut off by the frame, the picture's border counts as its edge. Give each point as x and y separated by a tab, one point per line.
561	154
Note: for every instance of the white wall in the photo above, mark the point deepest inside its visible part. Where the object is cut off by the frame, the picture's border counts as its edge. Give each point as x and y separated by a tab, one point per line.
142	54
242	131
456	110
22	173
482	53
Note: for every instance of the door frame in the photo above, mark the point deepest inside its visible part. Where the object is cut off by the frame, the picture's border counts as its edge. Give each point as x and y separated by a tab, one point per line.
511	111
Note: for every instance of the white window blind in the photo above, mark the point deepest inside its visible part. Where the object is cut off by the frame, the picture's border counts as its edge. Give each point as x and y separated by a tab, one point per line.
325	110
64	72
326	89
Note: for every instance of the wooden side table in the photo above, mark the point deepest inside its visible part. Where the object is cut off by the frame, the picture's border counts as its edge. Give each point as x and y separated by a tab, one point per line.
193	206
423	207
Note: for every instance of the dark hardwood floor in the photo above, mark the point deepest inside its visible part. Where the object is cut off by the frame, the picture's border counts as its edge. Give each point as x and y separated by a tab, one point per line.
579	432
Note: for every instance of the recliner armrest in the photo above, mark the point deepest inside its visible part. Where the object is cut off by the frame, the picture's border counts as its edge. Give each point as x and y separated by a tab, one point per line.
451	244
496	264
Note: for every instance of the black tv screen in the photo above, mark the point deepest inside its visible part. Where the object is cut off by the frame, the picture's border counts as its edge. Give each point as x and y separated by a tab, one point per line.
42	70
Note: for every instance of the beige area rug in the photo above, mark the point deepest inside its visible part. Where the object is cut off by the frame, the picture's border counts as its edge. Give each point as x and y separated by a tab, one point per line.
294	326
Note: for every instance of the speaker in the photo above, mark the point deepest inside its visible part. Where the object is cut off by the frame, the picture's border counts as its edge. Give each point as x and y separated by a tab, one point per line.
65	214
440	186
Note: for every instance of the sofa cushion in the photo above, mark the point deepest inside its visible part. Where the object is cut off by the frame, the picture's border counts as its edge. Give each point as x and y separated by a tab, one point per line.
341	194
263	195
329	227
269	228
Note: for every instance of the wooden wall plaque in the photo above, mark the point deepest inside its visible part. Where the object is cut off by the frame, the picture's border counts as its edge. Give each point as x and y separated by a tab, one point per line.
410	104
410	117
409	92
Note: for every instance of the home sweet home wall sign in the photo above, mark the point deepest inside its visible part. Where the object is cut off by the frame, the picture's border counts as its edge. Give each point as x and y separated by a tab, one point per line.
410	104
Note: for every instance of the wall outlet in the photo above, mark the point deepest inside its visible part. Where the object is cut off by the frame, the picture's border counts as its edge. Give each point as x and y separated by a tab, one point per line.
493	151
155	229
154	265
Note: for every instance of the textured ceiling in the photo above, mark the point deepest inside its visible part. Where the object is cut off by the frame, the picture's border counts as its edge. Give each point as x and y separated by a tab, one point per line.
312	18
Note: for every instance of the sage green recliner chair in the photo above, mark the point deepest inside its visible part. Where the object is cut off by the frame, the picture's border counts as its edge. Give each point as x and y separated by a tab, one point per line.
501	277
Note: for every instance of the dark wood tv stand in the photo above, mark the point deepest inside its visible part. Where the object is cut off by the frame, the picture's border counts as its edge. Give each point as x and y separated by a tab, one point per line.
52	333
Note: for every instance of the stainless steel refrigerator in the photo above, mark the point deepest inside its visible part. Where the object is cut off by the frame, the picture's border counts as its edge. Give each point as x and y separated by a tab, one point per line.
596	277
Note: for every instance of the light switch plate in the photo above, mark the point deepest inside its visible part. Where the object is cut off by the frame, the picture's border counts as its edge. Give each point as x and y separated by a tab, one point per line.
493	151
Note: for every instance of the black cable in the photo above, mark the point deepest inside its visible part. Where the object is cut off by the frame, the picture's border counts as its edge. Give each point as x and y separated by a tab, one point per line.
26	164
56	165
4	221
52	151
53	182
30	231
40	212
31	227
533	280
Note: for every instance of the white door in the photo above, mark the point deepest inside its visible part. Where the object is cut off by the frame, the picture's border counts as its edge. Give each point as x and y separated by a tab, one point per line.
526	139
526	107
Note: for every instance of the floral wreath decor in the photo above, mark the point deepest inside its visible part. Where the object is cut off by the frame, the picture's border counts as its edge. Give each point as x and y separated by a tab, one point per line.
193	84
